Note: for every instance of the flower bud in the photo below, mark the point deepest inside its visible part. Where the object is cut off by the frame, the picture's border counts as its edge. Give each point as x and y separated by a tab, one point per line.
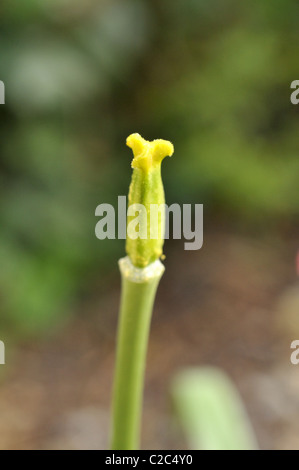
145	234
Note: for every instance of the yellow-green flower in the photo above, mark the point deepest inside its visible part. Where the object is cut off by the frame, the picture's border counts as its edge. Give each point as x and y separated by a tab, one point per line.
146	196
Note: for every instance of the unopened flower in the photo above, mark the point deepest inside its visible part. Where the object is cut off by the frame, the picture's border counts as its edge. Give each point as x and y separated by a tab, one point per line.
146	191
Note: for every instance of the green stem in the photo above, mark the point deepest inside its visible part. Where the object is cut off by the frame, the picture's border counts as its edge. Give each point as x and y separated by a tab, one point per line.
139	286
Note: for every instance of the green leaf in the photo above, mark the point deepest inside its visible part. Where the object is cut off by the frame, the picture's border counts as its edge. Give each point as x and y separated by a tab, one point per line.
211	411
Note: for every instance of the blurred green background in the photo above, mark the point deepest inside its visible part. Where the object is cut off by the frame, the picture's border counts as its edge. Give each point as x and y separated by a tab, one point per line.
213	77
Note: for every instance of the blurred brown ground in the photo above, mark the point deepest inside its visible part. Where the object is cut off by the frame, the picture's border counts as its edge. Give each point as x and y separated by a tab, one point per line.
216	306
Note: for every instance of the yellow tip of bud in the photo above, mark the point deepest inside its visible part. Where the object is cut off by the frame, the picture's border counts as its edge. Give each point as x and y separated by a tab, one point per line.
148	154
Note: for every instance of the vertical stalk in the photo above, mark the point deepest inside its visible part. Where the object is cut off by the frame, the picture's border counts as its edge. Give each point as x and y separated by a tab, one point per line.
139	286
141	272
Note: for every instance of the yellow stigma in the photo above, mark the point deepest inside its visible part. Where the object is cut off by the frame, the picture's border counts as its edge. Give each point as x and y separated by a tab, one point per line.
147	154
